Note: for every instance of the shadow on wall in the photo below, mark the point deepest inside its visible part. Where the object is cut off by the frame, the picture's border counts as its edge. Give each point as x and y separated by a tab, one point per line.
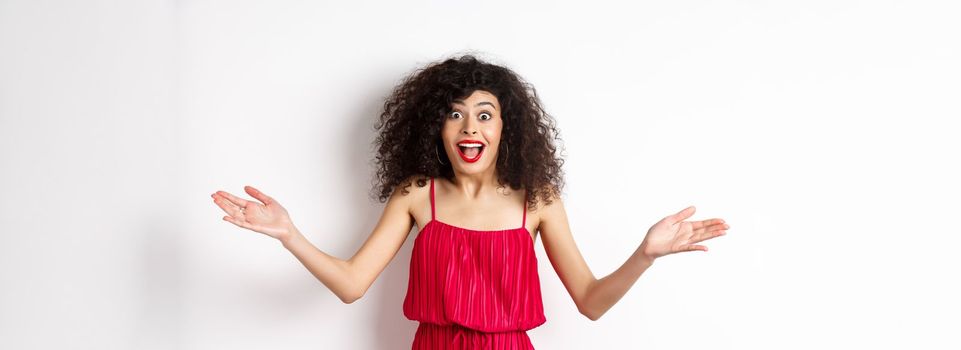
161	308
392	330
278	299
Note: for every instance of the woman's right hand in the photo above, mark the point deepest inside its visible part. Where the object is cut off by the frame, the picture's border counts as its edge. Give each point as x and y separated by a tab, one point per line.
269	218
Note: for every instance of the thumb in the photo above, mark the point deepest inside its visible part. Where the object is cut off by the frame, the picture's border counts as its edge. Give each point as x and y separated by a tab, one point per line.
253	192
683	214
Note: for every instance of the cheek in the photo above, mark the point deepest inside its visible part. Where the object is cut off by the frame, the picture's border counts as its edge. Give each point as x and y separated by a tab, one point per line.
448	133
493	137
492	133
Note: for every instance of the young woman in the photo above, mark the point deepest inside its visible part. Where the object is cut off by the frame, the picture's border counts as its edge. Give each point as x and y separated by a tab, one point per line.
478	145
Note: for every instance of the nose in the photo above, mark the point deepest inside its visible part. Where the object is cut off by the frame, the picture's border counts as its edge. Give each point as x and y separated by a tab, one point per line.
469	128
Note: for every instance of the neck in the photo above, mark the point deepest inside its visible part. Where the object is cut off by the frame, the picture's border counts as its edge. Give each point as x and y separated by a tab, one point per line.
475	185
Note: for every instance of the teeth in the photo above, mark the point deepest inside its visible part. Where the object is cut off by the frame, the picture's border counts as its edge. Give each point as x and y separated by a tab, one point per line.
470	145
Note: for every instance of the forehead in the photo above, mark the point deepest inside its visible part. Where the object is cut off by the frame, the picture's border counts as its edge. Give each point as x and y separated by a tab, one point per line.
478	98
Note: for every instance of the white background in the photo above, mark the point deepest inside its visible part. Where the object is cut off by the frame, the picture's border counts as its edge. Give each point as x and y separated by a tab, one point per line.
824	132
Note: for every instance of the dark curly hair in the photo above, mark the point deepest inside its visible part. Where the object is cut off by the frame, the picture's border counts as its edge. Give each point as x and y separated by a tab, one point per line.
413	115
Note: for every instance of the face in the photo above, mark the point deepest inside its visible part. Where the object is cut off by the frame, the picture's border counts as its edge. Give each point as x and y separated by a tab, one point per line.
476	118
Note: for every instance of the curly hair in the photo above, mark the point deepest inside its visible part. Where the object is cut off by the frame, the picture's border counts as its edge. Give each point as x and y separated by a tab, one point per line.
409	138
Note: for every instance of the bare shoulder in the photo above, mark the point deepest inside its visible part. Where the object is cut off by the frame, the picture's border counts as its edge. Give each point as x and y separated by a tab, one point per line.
414	192
545	213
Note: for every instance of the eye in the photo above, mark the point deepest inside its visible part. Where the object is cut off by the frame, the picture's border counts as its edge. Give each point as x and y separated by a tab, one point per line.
489	117
455	114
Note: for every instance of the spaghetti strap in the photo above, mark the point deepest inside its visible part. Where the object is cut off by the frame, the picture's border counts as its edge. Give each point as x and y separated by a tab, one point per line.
524	220
432	198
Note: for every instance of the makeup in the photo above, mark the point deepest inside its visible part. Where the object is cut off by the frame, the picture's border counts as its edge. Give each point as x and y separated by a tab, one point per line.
470	150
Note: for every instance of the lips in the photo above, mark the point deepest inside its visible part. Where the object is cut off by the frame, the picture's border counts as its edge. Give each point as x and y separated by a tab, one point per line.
470	150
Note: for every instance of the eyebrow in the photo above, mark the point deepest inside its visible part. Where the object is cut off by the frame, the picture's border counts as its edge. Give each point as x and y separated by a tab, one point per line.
478	104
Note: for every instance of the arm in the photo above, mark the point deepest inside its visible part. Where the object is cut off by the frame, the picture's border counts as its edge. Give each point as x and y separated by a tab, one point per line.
593	296
350	279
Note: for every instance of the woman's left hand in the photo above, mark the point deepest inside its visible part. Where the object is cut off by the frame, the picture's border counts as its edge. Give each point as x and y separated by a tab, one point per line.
673	235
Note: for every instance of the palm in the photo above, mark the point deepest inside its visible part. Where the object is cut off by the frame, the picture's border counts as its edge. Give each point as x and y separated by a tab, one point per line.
269	218
673	235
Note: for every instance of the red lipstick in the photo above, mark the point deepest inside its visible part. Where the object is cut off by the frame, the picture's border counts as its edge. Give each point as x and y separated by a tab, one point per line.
467	144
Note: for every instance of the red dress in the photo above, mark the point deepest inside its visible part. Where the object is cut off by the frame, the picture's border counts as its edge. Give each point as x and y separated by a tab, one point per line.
473	289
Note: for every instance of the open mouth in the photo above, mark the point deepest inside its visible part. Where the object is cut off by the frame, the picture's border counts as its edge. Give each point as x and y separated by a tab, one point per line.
470	151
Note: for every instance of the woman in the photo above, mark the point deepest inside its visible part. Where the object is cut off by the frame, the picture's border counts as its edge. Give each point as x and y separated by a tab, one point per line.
474	138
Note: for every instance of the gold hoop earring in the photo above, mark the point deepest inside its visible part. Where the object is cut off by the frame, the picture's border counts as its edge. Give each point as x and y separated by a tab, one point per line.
437	154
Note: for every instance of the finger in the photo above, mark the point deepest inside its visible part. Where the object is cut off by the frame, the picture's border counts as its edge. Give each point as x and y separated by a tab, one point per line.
711	232
238	222
694	247
705	223
228	207
682	215
708	235
240	202
259	195
711	228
